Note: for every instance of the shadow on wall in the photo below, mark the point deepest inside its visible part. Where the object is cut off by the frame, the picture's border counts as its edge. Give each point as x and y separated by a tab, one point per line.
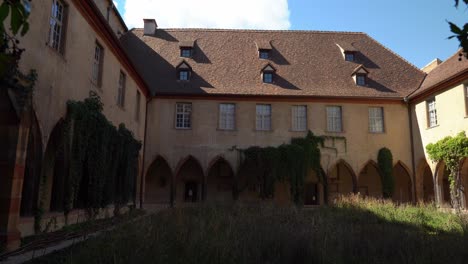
158	73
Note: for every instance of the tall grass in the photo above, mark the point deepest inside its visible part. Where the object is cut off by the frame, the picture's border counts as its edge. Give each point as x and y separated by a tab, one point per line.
356	230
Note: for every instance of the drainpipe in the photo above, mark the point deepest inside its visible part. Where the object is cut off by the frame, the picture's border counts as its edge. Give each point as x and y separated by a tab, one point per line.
142	172
413	163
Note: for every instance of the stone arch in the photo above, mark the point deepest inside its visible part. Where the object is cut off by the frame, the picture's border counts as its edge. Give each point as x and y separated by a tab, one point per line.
369	181
189	180
315	188
424	174
341	179
220	181
53	169
403	184
32	172
158	182
442	184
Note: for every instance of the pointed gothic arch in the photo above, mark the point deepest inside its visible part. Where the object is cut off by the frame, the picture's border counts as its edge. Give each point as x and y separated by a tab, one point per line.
403	184
370	180
189	181
220	181
158	182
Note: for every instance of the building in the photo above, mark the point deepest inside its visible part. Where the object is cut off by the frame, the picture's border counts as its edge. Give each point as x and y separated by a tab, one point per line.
75	51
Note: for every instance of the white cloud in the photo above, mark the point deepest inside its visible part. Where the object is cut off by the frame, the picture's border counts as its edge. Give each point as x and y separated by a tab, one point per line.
115	3
251	14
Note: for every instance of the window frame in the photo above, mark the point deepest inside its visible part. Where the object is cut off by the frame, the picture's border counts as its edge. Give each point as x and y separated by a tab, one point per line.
121	89
341	130
183	113
376	120
363	77
58	46
265	73
221	116
351	55
295	125
179	75
264	52
429	102
98	65
263	117
186	49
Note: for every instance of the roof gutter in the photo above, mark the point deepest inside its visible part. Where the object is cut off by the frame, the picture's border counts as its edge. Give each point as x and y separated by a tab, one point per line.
413	161
142	172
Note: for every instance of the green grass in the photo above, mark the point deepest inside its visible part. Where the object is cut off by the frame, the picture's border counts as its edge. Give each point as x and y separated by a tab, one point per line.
356	230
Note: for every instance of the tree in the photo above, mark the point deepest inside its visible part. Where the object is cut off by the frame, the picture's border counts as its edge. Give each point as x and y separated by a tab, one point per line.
385	162
452	151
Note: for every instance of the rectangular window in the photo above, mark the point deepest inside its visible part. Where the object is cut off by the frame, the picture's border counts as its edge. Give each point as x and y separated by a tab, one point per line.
349	56
183	75
263	117
431	112
267	77
121	90
137	107
361	79
299	118
263	54
186	52
376	120
227	116
334	122
57	26
97	65
183	115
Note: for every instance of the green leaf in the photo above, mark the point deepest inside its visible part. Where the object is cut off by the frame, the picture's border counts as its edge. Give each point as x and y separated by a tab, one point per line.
455	29
15	20
4	9
25	28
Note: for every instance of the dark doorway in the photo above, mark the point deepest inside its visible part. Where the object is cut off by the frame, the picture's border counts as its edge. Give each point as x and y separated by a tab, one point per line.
191	192
311	194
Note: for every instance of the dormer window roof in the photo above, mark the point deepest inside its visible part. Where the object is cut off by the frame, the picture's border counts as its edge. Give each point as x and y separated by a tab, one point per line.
268	73
186	49
184	71
360	75
348	51
264	48
349	56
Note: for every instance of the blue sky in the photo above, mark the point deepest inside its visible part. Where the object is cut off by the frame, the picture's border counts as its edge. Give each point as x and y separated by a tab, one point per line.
415	29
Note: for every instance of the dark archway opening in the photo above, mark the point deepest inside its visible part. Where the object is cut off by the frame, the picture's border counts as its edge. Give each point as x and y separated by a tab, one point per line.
190	182
370	183
402	192
220	182
158	182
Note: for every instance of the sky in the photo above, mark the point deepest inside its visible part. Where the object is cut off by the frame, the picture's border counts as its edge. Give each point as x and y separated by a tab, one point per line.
417	30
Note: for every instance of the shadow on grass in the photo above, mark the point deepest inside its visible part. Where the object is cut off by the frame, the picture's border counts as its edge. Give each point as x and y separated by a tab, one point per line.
345	233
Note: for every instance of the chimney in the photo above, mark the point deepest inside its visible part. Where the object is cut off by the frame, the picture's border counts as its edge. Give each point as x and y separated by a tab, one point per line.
150	26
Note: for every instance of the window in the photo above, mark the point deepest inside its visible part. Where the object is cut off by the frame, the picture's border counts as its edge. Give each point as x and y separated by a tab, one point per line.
186	52
57	26
431	112
137	107
227	116
267	77
184	75
121	90
376	120
97	65
349	56
263	117
264	54
334	122
299	118
183	115
466	99
361	79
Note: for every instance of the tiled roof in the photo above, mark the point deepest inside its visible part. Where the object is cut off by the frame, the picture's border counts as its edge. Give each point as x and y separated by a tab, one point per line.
442	73
307	63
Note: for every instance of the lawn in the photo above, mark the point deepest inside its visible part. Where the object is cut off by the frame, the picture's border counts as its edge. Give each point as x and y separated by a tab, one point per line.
355	230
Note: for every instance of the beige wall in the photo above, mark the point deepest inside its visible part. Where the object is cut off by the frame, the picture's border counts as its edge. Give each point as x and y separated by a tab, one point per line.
451	117
114	21
68	76
205	142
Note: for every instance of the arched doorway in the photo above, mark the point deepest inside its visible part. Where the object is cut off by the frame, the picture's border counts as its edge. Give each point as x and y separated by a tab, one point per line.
313	189
158	182
342	179
403	187
443	184
32	172
369	181
54	170
189	181
428	184
220	182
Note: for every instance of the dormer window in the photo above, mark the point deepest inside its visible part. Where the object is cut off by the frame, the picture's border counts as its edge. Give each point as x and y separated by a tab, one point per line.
184	71
268	73
360	75
349	56
186	49
264	54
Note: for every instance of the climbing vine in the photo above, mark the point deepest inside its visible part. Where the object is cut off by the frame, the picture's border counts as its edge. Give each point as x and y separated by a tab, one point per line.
290	162
452	151
385	164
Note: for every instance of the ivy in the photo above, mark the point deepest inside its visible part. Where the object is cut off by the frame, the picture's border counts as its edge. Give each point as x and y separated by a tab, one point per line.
385	164
452	151
287	162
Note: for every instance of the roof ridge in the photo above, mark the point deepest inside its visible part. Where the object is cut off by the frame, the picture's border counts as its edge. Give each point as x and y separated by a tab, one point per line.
259	30
394	53
453	55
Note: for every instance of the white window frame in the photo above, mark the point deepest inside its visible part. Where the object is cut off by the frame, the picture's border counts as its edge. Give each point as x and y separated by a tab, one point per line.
97	64
334	118
376	120
121	89
227	116
183	115
299	118
263	117
57	25
431	112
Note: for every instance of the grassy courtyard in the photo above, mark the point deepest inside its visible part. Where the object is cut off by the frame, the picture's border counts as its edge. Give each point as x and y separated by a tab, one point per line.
356	230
